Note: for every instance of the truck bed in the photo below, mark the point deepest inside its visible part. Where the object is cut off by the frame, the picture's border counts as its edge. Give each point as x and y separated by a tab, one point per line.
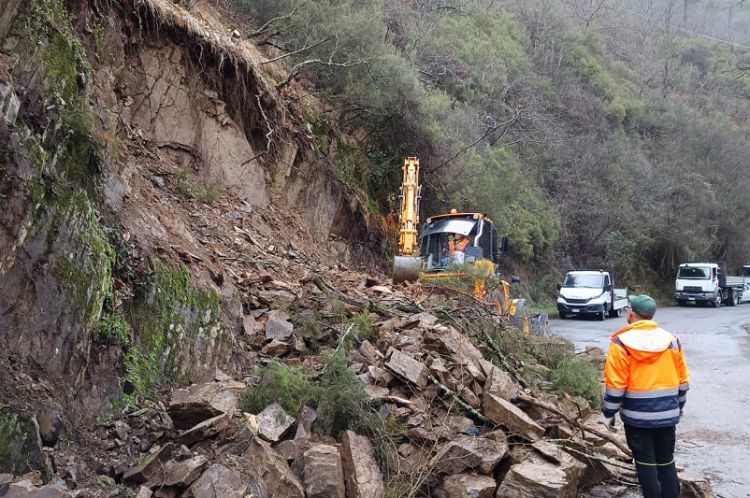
735	281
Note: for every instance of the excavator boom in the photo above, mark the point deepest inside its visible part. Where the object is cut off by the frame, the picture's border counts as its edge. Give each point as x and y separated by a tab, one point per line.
407	264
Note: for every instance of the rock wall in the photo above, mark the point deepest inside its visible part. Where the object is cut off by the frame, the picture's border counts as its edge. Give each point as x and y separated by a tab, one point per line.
100	102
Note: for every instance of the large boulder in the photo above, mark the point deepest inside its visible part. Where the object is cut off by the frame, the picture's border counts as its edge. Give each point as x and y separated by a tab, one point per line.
271	470
507	414
217	482
199	402
499	383
466	485
179	474
361	471
278	326
324	474
273	422
407	367
536	480
469	453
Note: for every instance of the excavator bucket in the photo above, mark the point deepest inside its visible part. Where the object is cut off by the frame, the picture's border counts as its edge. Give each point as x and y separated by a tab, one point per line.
406	268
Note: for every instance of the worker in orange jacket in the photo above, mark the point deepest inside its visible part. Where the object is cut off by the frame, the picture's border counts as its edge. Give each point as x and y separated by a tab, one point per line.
646	380
457	246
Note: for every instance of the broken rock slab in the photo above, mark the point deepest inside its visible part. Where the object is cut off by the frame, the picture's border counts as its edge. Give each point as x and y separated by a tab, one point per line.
271	469
695	486
278	326
468	453
204	430
361	470
217	482
149	466
505	413
179	474
466	485
273	422
500	383
27	489
536	480
199	402
407	367
324	474
275	348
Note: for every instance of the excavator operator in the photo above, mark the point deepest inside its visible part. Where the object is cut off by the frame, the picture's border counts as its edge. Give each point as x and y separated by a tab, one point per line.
457	246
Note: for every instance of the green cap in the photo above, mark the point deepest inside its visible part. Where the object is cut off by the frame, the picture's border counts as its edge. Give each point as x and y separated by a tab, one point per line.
643	305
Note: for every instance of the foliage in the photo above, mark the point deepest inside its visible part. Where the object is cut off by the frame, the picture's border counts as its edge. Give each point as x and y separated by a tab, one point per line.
339	396
577	376
593	136
291	387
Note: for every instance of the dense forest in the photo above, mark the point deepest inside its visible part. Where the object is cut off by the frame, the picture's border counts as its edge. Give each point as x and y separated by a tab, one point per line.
594	132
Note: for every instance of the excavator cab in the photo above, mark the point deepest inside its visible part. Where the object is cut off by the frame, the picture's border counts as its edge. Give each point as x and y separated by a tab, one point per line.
440	230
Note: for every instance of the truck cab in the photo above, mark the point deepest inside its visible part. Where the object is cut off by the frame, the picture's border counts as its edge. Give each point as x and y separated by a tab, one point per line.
590	292
706	283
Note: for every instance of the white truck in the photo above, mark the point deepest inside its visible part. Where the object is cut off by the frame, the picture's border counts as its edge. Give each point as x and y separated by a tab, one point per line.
706	283
590	292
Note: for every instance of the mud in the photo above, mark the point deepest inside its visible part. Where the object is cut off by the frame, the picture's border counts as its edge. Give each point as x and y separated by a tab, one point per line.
714	434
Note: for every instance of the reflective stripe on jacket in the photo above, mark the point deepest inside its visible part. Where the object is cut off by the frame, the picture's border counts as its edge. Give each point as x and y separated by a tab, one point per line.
646	376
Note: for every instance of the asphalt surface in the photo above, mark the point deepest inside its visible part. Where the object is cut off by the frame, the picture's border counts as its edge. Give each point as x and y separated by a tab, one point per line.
714	434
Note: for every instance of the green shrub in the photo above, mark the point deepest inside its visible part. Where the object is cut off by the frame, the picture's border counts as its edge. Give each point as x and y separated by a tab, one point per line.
291	387
577	376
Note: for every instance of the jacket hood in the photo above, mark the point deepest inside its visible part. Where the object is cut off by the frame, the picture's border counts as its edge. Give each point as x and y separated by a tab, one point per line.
644	339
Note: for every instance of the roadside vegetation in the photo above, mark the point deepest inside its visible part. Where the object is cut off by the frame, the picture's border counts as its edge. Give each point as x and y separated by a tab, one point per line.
606	134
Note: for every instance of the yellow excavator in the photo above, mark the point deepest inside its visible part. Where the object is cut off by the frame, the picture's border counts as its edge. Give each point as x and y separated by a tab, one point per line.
441	259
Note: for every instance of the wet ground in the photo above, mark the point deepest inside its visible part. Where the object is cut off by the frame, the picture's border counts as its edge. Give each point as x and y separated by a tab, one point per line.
714	434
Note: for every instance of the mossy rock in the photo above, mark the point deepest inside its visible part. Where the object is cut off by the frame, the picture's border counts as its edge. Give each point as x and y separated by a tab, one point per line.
20	447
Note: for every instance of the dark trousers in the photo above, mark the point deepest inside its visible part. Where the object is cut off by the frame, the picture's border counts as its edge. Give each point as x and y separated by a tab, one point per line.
653	451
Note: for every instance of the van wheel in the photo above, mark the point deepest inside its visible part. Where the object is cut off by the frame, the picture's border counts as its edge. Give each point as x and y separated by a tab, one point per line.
563	316
603	314
614	313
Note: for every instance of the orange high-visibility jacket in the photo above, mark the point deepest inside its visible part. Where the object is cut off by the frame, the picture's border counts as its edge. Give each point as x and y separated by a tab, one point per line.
460	246
646	376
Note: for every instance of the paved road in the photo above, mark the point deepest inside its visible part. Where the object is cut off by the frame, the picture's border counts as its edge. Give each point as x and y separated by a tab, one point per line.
714	434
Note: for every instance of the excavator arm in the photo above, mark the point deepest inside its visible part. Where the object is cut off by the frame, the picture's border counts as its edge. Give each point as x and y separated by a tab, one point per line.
407	264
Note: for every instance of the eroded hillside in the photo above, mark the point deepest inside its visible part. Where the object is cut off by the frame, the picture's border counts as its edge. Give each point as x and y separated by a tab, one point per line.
168	221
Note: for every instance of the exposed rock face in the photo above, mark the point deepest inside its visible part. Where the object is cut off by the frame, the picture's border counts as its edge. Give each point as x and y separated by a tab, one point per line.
363	476
536	480
324	475
466	486
200	402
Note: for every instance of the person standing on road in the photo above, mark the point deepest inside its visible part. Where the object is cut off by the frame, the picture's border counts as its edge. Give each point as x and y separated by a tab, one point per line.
646	380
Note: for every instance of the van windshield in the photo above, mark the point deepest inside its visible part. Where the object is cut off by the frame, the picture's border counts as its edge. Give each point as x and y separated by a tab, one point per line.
694	272
583	281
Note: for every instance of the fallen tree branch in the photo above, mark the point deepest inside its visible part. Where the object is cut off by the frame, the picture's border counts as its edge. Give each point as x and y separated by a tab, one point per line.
268	23
540	404
295	52
466	406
